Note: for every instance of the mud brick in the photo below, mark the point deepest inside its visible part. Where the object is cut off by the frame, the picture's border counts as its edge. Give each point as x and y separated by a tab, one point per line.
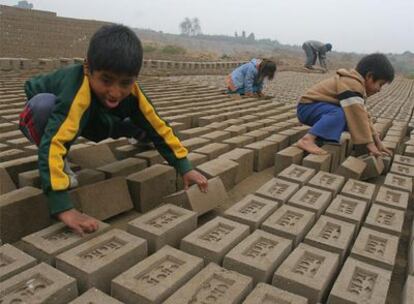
126	151
359	190
142	184
39	284
392	198
89	176
193	132
157	277
166	225
213	150
346	138
151	157
104	199
395	147
307	271
289	222
404	160
286	157
386	220
224	168
251	210
196	159
258	255
16	166
92	157
253	125
16	207
375	166
376	248
236	130
352	167
13	261
123	167
399	182
347	209
245	159
410	258
409	151
297	174
200	202
216	136
360	282
278	190
337	152
6	183
215	239
195	143
94	295
318	162
264	293
30	178
264	152
96	262
402	170
331	235
311	199
258	135
327	181
281	140
238	141
408	291
216	284
47	243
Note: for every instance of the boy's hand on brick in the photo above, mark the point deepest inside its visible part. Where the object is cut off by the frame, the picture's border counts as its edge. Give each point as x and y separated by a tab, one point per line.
80	223
373	150
383	149
195	177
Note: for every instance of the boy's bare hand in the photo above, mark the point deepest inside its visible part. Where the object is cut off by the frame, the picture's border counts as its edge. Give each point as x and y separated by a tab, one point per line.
80	223
383	149
373	150
195	177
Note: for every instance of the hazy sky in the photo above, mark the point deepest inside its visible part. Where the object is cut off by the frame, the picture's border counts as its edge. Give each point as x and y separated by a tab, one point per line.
350	25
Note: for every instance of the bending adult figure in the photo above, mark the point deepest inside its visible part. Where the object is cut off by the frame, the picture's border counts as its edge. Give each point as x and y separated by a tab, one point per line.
316	49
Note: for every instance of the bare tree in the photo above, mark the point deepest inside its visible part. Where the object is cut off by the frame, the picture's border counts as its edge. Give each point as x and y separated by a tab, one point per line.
190	27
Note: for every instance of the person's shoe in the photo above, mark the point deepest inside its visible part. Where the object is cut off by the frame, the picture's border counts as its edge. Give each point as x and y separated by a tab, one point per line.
309	67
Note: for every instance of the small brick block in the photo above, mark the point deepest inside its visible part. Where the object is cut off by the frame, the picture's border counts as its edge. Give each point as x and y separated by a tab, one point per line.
311	199
268	294
297	174
399	182
166	225
376	248
327	181
258	256
278	190
6	183
281	140
264	152
286	157
216	136
359	190
352	167
142	184
47	243
289	222
251	210
92	157
215	239
213	150
404	160
88	176
331	235
96	262
94	295
151	157
157	277
13	261
408	291
337	152
213	284
359	282
318	162
392	198
374	166
224	168
245	159
123	167
386	220
39	284
402	170
307	271
238	141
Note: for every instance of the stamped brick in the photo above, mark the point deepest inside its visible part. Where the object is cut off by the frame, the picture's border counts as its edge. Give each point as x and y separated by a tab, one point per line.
286	157
311	199
278	190
215	239
359	190
384	219
297	174
392	198
289	222
166	225
96	262
399	182
318	162
402	170
327	181
13	261
258	255
404	160
157	277
39	284
268	294
213	284
307	271
252	211
332	235
93	296
359	282
47	243
376	248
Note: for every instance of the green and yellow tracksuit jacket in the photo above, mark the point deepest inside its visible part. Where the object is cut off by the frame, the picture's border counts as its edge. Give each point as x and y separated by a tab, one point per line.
78	112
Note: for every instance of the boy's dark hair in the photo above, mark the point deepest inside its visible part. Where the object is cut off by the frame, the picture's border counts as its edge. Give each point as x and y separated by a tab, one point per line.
378	65
267	68
115	48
